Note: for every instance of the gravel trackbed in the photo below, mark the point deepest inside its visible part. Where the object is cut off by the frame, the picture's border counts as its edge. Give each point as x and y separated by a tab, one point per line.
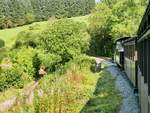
130	100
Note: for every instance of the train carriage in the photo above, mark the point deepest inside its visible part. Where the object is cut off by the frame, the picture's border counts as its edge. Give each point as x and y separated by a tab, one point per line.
134	55
119	51
130	60
143	44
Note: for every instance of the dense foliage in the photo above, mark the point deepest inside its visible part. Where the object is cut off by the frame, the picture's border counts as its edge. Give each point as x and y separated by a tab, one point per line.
17	68
19	12
65	38
59	43
113	19
11	77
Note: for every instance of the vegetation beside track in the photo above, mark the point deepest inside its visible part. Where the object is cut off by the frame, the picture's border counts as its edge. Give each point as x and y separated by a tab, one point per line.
74	89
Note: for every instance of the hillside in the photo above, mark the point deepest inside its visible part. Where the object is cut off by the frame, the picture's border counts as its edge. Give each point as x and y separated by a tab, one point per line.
9	35
15	13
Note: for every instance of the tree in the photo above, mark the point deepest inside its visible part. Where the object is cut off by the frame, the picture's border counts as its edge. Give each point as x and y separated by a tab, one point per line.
65	38
100	31
113	19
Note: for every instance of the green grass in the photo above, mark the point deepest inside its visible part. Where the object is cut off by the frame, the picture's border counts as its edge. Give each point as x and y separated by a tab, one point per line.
13	92
81	19
9	35
7	94
2	53
106	98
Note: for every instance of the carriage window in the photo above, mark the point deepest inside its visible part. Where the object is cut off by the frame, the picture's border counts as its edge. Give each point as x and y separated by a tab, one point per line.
132	52
145	25
130	49
145	61
140	61
148	65
119	47
149	20
141	57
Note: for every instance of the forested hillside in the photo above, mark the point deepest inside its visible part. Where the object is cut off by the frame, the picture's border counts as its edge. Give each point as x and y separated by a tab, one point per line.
19	12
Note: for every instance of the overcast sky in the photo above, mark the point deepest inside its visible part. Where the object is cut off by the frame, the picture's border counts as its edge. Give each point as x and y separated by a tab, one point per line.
97	0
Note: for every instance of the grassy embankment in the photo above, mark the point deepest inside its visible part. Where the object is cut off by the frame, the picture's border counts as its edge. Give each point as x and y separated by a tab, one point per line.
76	91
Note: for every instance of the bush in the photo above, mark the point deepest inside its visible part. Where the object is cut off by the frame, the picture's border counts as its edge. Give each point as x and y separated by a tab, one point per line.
2	43
65	38
3	53
11	77
26	38
36	64
35	27
84	61
49	61
29	18
23	59
6	23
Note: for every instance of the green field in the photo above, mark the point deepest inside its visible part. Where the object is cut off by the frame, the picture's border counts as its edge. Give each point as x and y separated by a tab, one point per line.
81	19
9	35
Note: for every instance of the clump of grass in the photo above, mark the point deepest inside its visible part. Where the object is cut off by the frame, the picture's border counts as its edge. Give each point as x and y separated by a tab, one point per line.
7	94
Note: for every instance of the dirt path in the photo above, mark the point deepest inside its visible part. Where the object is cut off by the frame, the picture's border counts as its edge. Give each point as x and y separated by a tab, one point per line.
28	92
130	101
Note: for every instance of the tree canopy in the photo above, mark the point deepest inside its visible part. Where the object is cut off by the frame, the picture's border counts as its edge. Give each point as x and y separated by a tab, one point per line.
113	19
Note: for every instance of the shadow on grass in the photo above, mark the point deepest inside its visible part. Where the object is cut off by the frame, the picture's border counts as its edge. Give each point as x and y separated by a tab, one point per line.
106	98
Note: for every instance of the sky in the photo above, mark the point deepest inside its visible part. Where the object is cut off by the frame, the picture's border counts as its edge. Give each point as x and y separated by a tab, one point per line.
97	0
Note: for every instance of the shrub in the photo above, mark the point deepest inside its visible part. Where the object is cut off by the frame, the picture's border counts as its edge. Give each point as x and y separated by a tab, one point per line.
35	27
23	59
6	23
2	43
11	77
36	64
84	61
3	53
29	18
65	38
26	38
49	61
